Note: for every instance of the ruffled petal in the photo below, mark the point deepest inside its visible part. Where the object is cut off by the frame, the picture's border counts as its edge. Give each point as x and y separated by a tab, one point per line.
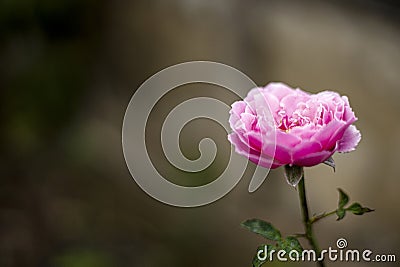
350	139
329	132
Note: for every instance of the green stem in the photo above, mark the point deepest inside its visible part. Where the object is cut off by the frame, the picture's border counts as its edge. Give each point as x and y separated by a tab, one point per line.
321	216
306	220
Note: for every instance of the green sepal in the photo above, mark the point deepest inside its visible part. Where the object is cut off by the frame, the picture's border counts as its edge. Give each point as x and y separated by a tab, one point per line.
331	163
293	174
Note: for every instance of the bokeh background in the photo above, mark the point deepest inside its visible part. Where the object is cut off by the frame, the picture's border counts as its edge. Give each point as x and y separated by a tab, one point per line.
68	69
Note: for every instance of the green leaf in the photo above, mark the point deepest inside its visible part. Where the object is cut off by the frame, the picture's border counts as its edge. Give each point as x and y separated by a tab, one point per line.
257	262
290	243
262	228
293	174
343	199
340	213
357	209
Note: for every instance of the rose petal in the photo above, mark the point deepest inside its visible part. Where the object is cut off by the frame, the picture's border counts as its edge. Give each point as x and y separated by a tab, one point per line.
326	132
350	139
283	154
287	139
290	102
254	140
338	134
304	132
252	155
240	147
313	159
279	90
306	148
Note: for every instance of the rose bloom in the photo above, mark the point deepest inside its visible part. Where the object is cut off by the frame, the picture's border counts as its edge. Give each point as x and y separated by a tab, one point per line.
309	128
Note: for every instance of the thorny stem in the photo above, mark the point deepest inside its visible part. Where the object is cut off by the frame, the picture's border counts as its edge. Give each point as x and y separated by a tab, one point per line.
306	220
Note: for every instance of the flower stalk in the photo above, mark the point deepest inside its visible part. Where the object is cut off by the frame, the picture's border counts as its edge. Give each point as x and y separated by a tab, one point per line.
309	234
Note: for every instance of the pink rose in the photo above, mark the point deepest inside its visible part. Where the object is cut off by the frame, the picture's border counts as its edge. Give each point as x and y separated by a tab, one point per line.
310	128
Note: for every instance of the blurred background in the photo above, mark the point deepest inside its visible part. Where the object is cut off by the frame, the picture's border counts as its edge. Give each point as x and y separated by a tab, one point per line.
68	69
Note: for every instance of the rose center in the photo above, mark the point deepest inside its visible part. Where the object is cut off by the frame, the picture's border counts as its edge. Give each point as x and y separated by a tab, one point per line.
288	122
